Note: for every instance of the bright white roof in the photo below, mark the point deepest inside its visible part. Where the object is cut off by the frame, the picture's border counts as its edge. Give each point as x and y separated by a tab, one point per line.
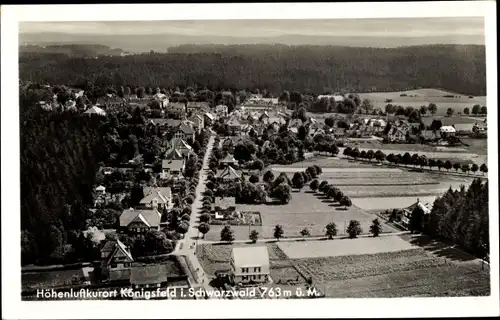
447	129
250	256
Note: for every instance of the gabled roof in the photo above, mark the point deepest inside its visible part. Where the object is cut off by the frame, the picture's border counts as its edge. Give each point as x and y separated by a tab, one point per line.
148	274
173	154
209	115
424	207
250	256
158	121
197	116
100	188
229	173
172	164
264	115
163	195
179	143
152	217
95	110
449	129
186	128
113	247
229	159
233	121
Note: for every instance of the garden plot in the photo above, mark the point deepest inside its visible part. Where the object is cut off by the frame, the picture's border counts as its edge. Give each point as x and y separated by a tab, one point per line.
369	169
400	177
418	271
325	162
343	247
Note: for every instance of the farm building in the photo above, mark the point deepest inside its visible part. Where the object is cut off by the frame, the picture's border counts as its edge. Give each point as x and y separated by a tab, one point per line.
249	265
447	131
407	212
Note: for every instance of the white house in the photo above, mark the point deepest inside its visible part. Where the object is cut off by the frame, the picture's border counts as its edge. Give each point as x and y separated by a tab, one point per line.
405	219
172	169
95	110
249	265
447	131
101	190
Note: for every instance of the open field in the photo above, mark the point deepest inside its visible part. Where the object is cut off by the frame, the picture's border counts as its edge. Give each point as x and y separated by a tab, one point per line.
417	98
343	247
305	210
325	162
425	268
379	204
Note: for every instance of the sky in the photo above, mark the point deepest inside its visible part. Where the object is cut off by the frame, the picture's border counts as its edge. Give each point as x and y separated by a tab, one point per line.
407	27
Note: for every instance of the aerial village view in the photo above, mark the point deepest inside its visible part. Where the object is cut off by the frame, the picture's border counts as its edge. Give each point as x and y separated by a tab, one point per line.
253	171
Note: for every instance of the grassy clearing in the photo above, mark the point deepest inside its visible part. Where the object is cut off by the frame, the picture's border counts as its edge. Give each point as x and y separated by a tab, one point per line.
305	210
343	247
380	204
51	279
325	162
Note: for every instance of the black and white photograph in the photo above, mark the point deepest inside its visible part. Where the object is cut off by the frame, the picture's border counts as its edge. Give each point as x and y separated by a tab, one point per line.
339	160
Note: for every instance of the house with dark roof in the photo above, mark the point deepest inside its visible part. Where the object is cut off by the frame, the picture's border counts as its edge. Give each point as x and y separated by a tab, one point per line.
208	118
228	175
172	169
157	198
185	130
182	146
140	220
198	121
407	212
115	261
150	276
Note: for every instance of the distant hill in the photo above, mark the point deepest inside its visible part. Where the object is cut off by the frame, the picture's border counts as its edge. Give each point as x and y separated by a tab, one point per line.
72	50
161	43
318	69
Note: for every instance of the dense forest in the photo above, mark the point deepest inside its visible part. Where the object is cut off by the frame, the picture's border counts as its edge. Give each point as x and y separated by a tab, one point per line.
59	157
461	216
317	69
74	50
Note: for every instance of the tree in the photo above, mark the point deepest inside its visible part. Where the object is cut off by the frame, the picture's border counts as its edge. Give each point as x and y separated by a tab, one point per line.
322	185
140	92
305	233
456	166
346	202
254	178
407	159
423	110
465	168
476	109
367	106
375	228
379	155
432	108
268	176
466	111
312	172
432	163
347	151
439	164
183	227
484	110
436	125
314	185
254	235
330	121
354	229
483	168
204	228
447	165
205	217
185	217
298	180
390	109
227	234
474	168
278	232
282	192
258	165
416	219
449	112
331	230
302	114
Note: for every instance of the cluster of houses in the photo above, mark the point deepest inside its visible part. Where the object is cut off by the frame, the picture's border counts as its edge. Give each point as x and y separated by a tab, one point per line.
402	130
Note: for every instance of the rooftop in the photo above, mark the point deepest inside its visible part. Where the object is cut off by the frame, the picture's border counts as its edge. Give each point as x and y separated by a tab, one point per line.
172	164
149	217
250	256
